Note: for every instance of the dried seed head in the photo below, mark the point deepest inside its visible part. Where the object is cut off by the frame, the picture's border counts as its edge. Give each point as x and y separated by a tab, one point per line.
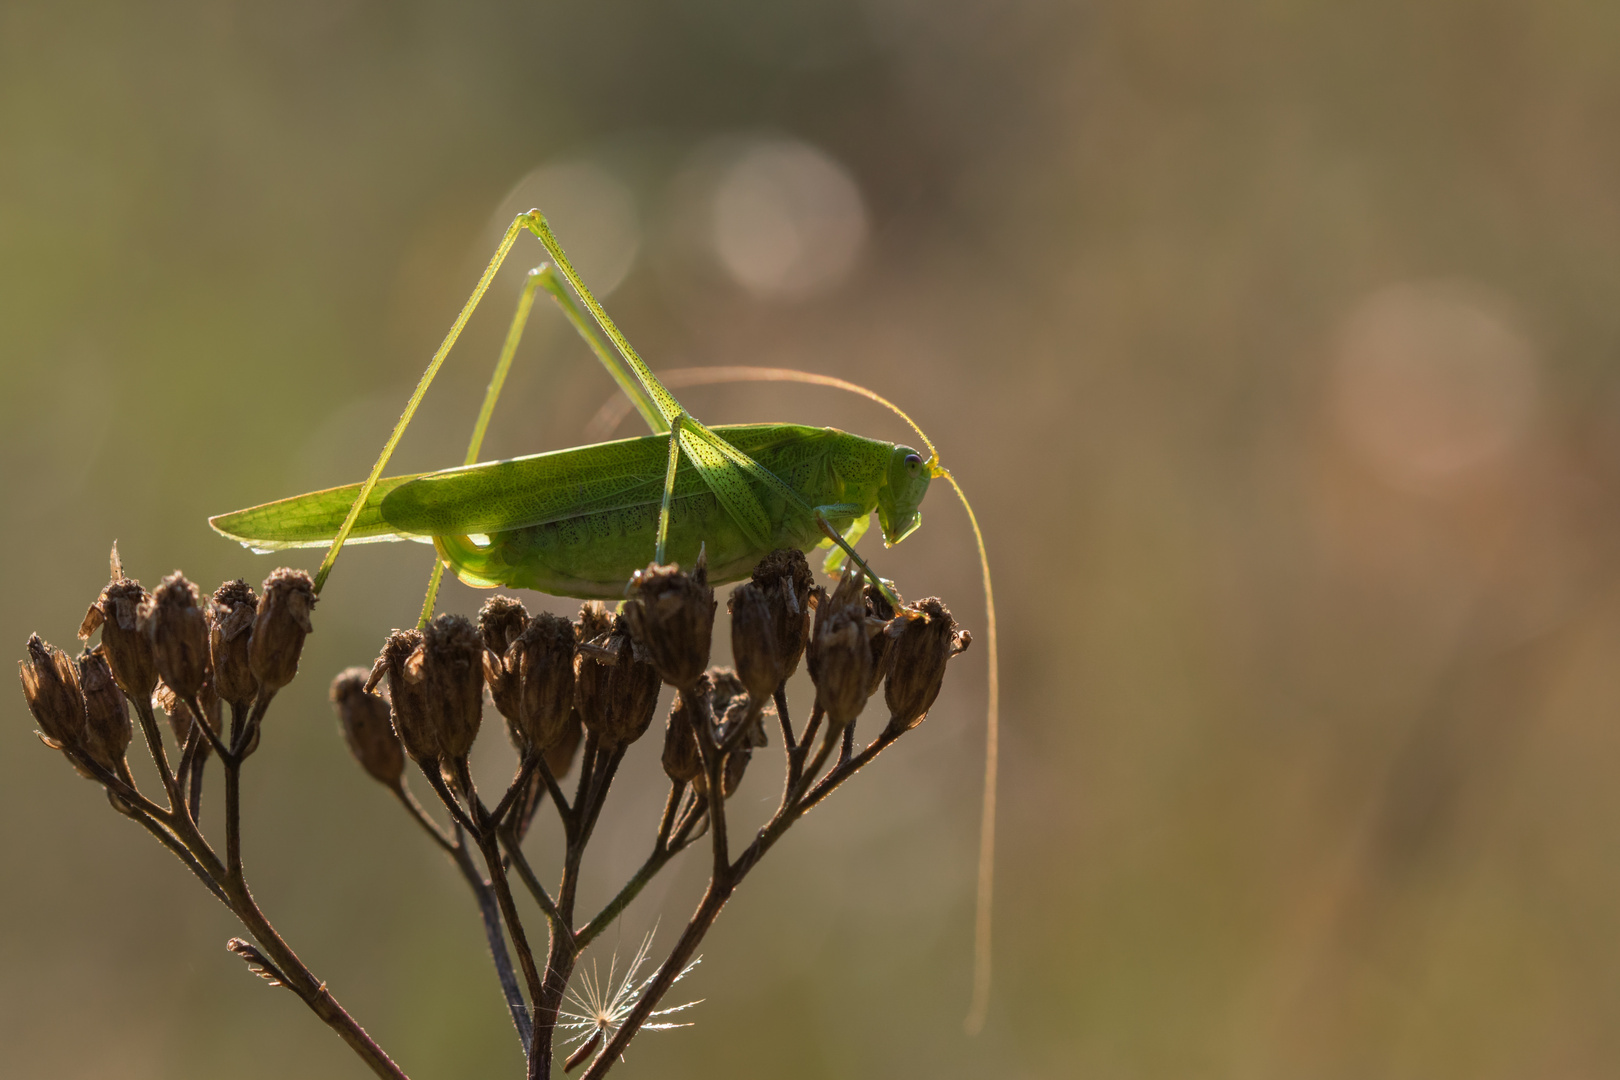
542	661
682	760
279	627
179	712
107	729
401	661
754	641
595	621
560	757
729	721
230	629
116	613
737	760
878	613
925	638
367	728
615	692
500	621
784	577
840	654
172	620
51	684
453	666
737	716
671	615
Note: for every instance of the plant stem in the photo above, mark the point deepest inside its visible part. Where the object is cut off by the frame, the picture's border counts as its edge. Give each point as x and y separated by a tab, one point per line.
309	989
489	912
520	863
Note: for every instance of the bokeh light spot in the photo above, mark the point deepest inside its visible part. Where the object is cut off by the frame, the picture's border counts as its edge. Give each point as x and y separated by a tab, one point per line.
1432	382
592	212
789	221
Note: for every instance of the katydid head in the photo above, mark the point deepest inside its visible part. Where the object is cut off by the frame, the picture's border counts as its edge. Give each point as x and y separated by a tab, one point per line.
902	492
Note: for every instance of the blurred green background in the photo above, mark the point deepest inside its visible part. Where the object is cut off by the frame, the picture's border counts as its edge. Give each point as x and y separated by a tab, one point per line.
1276	342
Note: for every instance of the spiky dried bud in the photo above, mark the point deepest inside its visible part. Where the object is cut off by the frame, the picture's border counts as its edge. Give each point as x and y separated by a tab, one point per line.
107	729
453	666
725	717
737	760
172	620
595	621
671	616
116	613
50	682
754	641
367	728
560	757
683	762
785	578
925	638
279	627
179	712
542	662
401	662
878	613
840	653
616	692
500	621
231	614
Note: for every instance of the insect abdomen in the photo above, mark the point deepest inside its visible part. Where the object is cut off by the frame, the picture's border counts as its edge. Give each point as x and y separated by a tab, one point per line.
592	554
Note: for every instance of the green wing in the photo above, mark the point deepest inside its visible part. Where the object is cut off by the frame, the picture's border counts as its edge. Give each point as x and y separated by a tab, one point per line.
308	521
499	496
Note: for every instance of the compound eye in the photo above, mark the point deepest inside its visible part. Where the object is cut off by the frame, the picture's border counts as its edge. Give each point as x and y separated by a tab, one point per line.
913	460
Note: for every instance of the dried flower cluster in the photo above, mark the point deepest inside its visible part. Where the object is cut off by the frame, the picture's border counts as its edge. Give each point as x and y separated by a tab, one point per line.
575	695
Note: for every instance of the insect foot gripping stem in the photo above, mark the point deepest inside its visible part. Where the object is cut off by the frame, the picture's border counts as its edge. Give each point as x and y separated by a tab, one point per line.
575	694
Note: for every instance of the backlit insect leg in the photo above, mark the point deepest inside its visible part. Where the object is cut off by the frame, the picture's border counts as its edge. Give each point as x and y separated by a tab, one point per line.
545	277
512	232
834	565
669	488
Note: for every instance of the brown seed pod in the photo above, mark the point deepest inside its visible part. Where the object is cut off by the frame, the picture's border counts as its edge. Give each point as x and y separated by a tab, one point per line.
500	621
51	684
279	627
754	641
925	638
682	760
878	613
172	620
560	757
368	728
785	578
401	662
671	615
179	712
107	728
453	667
542	661
615	692
840	654
116	613
231	614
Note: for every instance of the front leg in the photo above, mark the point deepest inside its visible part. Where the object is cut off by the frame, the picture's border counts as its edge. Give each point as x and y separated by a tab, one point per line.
834	565
824	516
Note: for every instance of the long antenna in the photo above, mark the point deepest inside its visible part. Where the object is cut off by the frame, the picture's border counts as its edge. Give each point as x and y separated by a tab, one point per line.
617	407
980	1003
